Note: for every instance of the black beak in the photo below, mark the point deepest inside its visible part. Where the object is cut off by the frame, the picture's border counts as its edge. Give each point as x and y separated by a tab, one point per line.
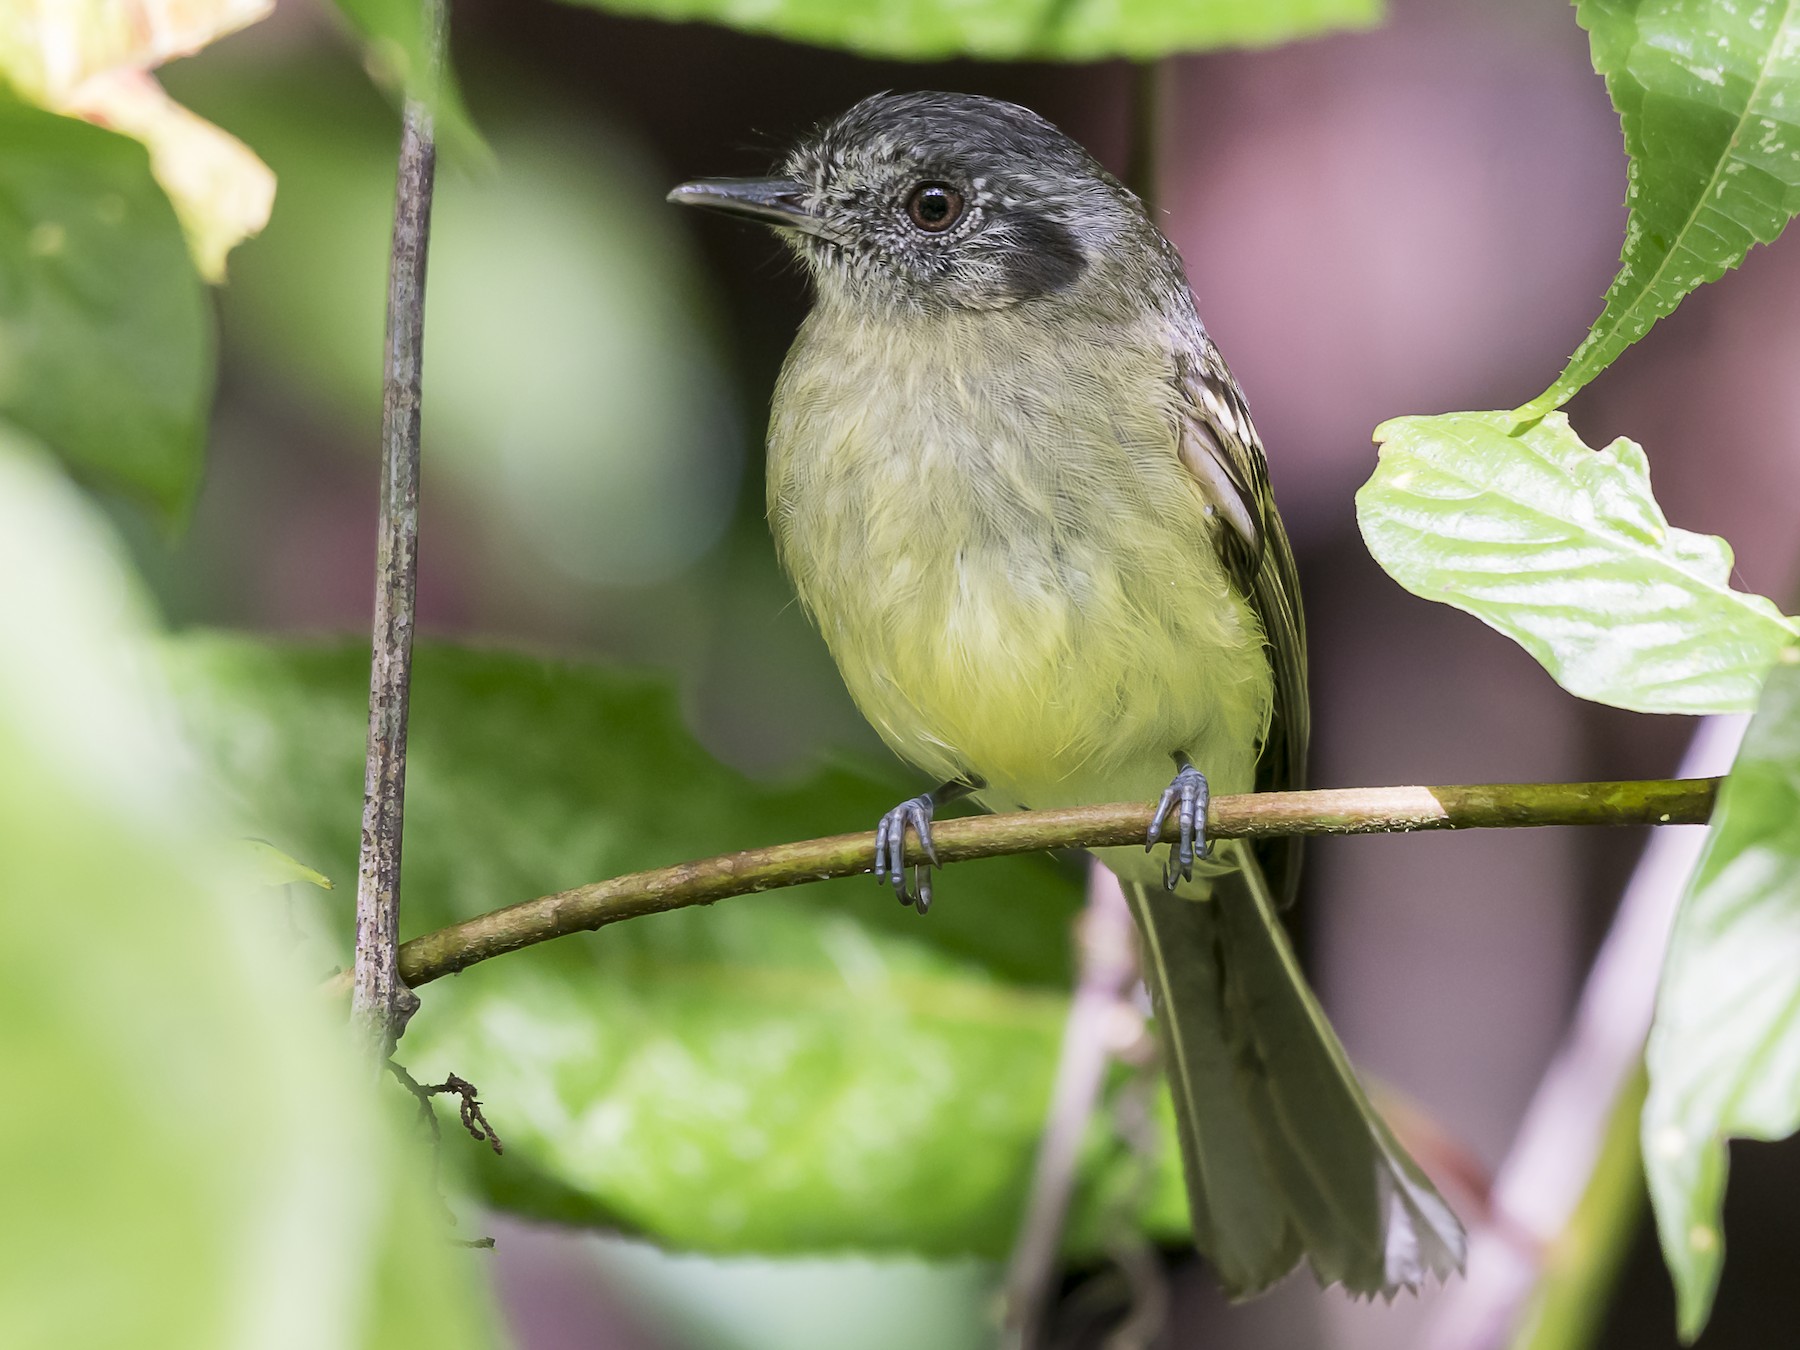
773	201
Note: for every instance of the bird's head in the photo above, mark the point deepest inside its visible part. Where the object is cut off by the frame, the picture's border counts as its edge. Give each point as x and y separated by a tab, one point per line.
931	202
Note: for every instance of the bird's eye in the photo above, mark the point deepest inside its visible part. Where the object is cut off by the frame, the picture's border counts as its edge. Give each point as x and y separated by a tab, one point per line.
934	207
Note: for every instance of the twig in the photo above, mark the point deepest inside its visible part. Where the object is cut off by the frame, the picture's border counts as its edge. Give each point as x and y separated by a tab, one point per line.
427	1116
1258	815
473	1120
1558	1144
469	1105
381	1003
1108	966
1247	816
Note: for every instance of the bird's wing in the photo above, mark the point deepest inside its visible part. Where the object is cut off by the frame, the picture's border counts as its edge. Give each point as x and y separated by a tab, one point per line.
1218	443
1283	1154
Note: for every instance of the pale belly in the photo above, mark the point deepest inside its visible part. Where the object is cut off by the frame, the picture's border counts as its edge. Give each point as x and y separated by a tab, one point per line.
1031	597
1051	694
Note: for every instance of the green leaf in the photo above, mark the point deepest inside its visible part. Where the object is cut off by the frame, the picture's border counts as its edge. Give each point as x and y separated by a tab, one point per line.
272	867
575	390
93	60
1708	93
803	1070
1565	550
1582	1264
106	345
1724	1053
196	1157
398	57
1019	29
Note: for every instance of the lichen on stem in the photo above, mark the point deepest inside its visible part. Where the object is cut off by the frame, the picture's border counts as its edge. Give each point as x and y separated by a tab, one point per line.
381	1001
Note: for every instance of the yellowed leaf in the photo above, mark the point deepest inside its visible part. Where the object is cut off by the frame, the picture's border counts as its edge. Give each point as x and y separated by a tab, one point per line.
221	191
91	58
48	47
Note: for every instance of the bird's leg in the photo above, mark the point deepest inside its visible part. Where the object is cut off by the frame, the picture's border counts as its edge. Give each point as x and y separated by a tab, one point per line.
890	840
1189	786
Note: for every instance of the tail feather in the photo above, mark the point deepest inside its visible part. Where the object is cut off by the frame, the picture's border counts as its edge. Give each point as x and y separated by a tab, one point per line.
1283	1153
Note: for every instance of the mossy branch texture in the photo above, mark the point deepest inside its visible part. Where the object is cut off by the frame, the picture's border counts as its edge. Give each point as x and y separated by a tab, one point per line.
1387	810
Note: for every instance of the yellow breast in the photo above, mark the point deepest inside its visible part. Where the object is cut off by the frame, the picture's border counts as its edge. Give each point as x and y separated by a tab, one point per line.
1015	574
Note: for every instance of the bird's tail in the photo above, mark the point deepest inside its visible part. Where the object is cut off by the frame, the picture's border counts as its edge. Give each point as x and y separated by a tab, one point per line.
1283	1154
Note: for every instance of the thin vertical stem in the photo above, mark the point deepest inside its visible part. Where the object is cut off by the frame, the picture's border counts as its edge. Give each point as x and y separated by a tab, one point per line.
381	1003
1151	82
1105	944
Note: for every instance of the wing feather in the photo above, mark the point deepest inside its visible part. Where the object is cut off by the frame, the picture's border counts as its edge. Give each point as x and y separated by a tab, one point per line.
1218	443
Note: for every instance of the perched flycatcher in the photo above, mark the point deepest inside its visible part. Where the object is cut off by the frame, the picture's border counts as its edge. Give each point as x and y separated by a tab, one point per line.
1019	492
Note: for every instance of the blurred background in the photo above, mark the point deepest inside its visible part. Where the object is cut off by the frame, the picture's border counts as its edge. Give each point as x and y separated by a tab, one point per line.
1420	218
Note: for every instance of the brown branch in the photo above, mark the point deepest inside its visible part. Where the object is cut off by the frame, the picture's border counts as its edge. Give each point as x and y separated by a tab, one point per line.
380	1001
1107	967
1250	816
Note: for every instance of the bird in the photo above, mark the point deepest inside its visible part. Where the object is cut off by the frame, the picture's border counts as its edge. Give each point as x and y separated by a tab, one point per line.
1020	494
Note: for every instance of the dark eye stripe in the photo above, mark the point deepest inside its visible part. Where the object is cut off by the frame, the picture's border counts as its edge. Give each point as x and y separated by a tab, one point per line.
934	207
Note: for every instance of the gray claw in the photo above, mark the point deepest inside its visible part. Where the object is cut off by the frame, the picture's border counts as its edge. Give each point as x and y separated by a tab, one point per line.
1156	823
890	851
1191	788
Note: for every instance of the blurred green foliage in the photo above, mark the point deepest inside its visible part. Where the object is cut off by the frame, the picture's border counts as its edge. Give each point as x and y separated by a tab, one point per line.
1708	93
1582	1266
1019	29
397	56
808	1303
106	340
1513	519
575	391
193	1160
396	44
805	1070
1565	550
810	1069
274	868
1724	1056
92	62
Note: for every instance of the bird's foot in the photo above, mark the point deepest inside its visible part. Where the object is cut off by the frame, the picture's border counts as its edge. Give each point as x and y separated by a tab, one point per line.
890	850
1190	789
